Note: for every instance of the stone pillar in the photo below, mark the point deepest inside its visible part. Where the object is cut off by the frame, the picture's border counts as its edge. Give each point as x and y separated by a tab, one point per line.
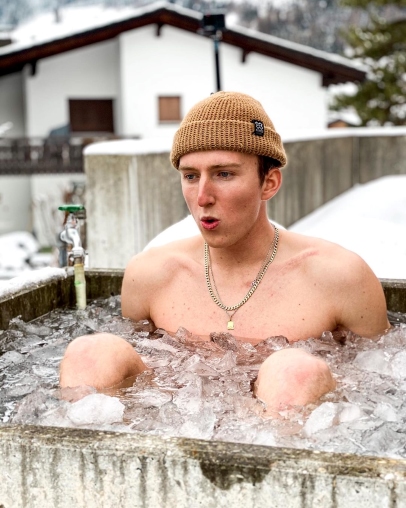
132	194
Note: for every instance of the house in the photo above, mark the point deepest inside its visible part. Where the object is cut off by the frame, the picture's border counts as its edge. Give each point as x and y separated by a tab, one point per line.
95	71
135	72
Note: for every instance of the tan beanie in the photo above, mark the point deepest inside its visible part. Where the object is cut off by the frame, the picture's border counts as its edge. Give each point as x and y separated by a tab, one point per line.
228	121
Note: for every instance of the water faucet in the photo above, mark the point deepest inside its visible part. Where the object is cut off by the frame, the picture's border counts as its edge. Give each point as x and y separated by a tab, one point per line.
71	233
76	255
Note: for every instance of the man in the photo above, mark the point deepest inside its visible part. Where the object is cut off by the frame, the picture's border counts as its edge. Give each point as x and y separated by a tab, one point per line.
241	274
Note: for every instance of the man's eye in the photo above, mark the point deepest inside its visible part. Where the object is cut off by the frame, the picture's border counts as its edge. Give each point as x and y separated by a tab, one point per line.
189	177
224	174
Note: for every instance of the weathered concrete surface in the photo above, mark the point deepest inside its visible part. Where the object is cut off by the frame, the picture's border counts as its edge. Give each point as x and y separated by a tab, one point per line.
57	468
129	200
50	295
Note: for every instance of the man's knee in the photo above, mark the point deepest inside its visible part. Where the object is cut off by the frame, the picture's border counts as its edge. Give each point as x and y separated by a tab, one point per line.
100	360
293	377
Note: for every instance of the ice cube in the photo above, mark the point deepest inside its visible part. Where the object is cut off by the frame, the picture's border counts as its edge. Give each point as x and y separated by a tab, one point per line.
386	412
224	340
272	344
152	397
189	398
350	412
228	362
194	364
374	360
398	364
96	409
384	440
199	426
323	417
11	358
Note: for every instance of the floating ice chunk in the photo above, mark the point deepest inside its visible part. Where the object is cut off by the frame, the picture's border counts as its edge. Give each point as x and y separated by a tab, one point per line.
272	344
384	440
189	398
226	363
11	358
386	412
157	344
350	413
199	426
398	364
96	409
224	340
375	360
153	397
194	364
323	417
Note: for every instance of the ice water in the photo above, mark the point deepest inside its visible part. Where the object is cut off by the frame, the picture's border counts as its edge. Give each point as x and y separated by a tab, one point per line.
204	389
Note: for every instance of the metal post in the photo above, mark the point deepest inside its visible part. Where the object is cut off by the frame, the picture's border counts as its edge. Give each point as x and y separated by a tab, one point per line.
217	60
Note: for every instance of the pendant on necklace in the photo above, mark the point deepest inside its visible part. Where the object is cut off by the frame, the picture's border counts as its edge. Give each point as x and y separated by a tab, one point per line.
230	325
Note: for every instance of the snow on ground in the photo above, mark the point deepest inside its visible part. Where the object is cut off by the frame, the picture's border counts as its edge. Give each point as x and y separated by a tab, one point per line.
369	219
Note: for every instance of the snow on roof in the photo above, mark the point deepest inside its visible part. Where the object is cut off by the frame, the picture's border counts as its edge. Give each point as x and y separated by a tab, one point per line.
75	20
301	48
78	19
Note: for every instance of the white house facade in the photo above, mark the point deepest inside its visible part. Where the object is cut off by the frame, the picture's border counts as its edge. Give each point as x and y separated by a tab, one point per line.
156	54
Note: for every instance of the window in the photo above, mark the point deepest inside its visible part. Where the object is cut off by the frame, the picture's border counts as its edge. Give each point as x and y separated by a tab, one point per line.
91	115
169	109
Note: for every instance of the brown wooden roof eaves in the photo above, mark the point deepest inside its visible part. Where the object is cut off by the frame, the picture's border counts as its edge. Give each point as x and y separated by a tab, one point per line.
332	72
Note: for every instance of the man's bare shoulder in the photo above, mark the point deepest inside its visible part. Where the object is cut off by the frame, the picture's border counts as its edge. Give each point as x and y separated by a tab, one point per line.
343	277
152	270
162	261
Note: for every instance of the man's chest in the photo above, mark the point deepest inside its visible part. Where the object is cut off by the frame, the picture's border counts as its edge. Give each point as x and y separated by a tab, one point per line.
291	307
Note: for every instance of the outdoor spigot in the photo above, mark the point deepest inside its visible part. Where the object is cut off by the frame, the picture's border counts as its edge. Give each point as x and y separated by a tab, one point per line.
76	257
71	232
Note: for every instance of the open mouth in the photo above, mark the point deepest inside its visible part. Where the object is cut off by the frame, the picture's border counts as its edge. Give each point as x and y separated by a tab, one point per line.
209	222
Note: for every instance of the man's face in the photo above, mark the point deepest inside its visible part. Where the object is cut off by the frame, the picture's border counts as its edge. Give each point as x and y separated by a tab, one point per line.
223	193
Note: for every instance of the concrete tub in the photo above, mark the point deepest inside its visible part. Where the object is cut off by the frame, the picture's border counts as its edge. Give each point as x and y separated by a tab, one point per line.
53	467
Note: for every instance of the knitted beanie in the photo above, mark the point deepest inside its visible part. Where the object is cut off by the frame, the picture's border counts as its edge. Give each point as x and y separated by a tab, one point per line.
228	121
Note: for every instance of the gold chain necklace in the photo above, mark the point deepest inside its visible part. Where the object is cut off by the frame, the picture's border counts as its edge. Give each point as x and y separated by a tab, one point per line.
215	294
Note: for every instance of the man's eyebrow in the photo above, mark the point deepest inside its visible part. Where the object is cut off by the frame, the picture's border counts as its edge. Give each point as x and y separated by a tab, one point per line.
214	166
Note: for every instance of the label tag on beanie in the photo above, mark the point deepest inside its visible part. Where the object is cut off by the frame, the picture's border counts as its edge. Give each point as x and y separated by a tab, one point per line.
258	128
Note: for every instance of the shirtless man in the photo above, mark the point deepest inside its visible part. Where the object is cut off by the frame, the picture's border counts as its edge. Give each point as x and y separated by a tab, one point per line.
229	158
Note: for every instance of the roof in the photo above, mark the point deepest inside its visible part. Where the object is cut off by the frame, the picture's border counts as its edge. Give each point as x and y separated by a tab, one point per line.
13	57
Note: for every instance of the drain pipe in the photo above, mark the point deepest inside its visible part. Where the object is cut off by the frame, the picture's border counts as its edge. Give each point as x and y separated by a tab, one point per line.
75	252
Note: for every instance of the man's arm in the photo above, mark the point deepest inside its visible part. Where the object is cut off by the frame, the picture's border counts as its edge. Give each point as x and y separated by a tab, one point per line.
363	305
136	289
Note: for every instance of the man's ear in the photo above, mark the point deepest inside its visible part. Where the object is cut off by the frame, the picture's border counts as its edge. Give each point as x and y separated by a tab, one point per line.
272	183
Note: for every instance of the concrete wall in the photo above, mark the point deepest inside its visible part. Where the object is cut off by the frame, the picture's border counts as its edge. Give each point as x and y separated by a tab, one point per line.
129	200
319	170
132	198
64	468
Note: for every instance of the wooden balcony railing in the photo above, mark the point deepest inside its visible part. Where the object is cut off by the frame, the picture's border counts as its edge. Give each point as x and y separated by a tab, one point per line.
26	156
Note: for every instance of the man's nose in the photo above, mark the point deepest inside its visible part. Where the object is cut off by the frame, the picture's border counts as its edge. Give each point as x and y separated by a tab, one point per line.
205	195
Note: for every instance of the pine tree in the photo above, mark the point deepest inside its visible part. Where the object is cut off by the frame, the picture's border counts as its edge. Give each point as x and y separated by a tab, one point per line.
381	46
